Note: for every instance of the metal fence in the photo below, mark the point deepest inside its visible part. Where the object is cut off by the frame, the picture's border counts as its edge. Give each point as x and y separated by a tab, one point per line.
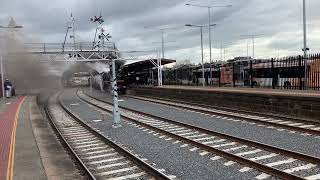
281	73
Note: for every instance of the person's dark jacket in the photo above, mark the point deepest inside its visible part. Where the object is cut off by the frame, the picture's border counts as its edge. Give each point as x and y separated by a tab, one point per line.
6	84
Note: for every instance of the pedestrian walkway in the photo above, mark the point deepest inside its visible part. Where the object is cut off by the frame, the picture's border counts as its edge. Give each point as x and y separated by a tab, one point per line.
29	149
8	124
27	160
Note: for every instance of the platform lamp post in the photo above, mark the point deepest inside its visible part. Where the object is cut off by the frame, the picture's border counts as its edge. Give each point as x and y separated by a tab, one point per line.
209	19
201	35
162	35
305	48
162	42
1	56
162	45
162	29
253	36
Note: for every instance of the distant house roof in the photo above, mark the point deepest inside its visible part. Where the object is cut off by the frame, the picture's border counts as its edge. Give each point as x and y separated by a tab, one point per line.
143	65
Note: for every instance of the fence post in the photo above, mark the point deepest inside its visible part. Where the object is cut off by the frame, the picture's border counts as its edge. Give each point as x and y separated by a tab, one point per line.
219	76
233	75
251	78
306	74
272	74
300	72
181	72
176	76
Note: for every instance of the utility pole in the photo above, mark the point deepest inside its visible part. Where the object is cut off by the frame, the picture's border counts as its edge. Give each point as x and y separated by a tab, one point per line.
116	112
73	31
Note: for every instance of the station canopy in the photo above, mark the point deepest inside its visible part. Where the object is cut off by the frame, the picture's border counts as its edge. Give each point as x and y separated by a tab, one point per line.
144	64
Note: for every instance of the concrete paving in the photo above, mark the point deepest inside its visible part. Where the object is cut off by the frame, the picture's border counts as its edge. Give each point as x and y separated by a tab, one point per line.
27	163
38	153
56	161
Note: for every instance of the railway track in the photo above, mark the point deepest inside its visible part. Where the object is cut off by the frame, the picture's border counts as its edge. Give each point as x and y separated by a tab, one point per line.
272	161
304	126
99	157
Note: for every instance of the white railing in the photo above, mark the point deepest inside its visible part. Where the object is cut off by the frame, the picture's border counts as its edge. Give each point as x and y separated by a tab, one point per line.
68	47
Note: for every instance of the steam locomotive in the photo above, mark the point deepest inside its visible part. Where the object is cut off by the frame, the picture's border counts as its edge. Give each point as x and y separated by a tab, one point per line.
102	82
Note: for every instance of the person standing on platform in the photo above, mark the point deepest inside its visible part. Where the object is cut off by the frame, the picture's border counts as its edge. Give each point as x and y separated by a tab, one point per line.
8	88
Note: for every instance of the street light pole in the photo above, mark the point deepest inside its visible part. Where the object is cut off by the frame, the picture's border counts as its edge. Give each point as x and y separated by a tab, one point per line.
210	43
253	36
209	13
201	34
162	43
162	47
221	52
253	47
305	45
247	50
162	36
203	81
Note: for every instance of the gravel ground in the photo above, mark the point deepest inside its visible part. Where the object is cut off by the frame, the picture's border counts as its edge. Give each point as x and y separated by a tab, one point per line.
164	154
283	139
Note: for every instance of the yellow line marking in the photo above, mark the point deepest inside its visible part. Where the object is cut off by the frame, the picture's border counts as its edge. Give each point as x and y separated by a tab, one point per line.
12	144
9	161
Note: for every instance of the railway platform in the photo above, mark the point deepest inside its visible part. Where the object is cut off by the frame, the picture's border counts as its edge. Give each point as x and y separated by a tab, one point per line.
286	103
267	91
29	148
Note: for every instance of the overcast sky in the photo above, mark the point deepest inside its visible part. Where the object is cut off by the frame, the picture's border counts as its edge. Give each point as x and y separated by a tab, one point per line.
279	21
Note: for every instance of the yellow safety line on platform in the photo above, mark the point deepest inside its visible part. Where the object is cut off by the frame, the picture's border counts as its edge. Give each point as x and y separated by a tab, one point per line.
13	142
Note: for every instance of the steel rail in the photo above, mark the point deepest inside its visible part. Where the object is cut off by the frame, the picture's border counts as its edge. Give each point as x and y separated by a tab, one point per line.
253	164
304	130
65	142
297	155
143	165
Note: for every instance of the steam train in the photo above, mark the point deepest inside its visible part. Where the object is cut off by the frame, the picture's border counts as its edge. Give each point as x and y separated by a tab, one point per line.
75	79
102	82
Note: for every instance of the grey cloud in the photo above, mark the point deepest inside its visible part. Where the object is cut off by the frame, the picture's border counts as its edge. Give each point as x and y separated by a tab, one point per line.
125	20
